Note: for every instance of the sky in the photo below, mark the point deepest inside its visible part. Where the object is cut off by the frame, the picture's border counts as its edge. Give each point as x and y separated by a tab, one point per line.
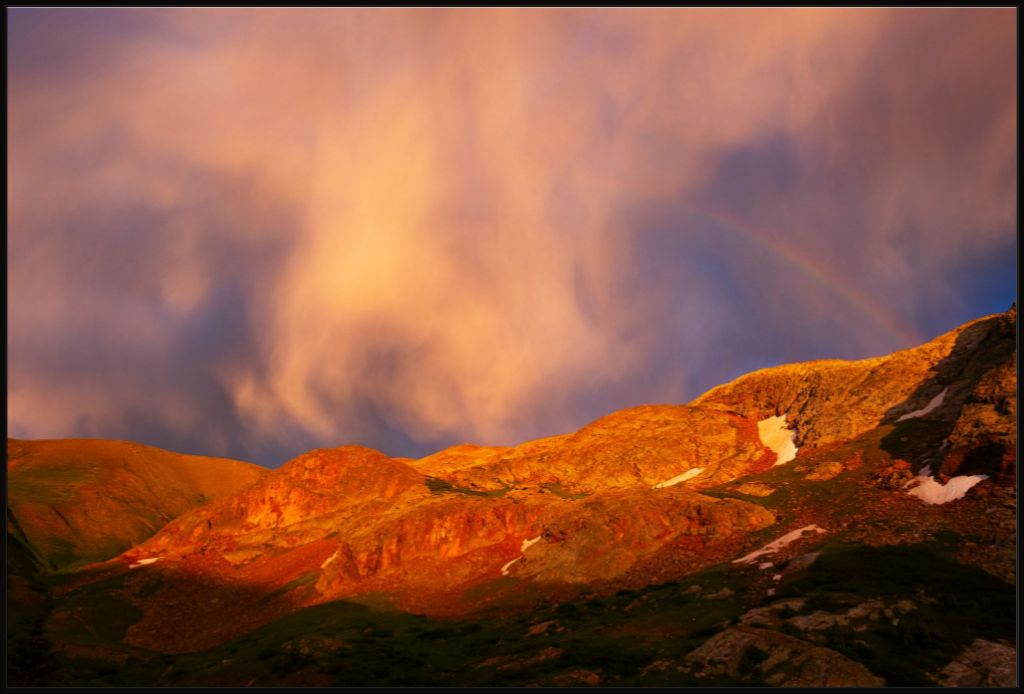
249	233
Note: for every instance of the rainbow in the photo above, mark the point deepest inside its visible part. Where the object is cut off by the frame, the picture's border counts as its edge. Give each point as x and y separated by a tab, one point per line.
851	294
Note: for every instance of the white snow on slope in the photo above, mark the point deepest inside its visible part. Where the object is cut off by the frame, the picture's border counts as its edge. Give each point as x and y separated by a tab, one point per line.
932	492
145	562
522	548
776	545
529	543
776	436
688	475
932	404
504	569
329	559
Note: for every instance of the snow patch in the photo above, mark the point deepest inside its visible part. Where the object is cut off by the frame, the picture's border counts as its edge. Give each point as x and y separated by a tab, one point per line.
932	492
145	562
765	565
330	559
529	543
504	569
776	545
688	475
777	437
777	577
932	404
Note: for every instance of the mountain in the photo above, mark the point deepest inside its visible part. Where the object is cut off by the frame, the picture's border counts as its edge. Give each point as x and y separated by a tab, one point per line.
350	521
75	501
831	522
964	380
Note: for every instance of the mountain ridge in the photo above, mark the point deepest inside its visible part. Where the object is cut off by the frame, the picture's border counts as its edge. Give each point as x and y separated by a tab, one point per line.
636	498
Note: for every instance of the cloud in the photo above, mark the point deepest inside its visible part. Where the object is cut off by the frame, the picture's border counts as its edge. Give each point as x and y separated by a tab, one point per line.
252	232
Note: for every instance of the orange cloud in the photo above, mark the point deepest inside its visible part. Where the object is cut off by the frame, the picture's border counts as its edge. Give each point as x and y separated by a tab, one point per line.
430	211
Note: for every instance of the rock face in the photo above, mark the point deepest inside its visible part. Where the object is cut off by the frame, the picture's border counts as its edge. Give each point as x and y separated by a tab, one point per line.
984	437
982	664
894	476
350	521
857	617
832	401
321	491
753	655
636	448
75	501
603	537
824	472
755	489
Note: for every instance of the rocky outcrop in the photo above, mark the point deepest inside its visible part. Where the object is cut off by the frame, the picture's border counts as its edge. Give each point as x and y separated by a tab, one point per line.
823	472
751	656
604	537
323	491
982	664
832	401
390	534
636	448
789	612
984	437
755	489
445	545
895	475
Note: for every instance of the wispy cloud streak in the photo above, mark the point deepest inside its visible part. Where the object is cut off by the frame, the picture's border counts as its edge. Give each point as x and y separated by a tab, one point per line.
249	232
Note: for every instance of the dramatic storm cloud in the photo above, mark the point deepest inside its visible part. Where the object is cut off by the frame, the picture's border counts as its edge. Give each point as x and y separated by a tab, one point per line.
253	232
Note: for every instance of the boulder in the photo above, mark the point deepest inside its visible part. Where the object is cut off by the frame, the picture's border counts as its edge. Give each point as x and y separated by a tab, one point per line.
752	655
